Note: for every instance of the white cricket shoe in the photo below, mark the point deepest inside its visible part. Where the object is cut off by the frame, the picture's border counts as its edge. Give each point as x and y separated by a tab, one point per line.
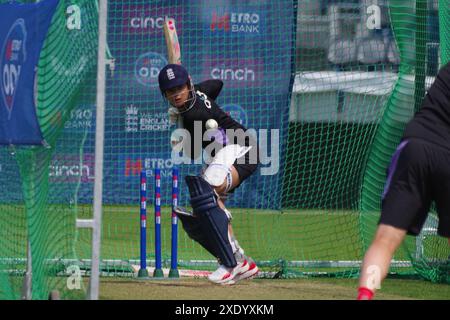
250	273
225	276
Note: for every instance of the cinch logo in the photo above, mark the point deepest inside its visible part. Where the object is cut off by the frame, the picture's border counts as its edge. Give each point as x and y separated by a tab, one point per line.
237	113
148	19
147	68
13	56
235	72
236	22
70	168
147	22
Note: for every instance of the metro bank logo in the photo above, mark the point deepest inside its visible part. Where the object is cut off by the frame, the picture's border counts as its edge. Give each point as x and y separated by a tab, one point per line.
131	166
220	22
242	22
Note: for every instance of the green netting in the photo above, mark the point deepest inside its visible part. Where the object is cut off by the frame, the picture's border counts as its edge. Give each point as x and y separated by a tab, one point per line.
33	210
416	35
354	90
359	77
347	66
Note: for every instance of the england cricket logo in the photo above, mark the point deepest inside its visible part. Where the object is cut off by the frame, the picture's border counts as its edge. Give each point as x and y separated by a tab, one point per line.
13	56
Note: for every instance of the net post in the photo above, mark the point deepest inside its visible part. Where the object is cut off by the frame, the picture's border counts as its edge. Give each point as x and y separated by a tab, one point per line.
93	293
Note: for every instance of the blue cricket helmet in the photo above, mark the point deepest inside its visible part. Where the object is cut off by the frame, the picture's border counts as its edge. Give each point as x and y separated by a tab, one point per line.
171	76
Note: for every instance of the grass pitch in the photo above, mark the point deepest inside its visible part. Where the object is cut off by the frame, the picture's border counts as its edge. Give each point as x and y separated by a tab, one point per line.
267	289
298	235
290	235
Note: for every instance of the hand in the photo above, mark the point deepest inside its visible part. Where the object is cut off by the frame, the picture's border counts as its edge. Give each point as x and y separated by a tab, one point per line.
176	141
173	115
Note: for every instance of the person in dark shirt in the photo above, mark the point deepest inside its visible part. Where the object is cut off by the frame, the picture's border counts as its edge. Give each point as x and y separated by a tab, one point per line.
418	175
233	159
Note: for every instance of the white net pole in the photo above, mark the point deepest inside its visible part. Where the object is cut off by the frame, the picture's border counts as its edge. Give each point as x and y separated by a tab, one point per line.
99	145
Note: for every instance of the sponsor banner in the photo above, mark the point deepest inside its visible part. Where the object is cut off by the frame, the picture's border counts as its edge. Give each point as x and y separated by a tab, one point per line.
126	178
81	119
224	40
72	168
23	28
236	72
149	19
131	166
245	21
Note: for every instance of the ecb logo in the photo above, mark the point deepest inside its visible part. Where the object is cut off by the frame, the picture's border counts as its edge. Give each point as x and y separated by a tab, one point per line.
237	113
13	56
147	68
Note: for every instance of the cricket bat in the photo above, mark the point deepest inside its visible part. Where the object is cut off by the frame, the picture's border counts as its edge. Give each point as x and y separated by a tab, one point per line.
173	45
173	57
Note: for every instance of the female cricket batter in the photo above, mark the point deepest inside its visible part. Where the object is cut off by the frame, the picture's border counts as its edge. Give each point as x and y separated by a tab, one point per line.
210	223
